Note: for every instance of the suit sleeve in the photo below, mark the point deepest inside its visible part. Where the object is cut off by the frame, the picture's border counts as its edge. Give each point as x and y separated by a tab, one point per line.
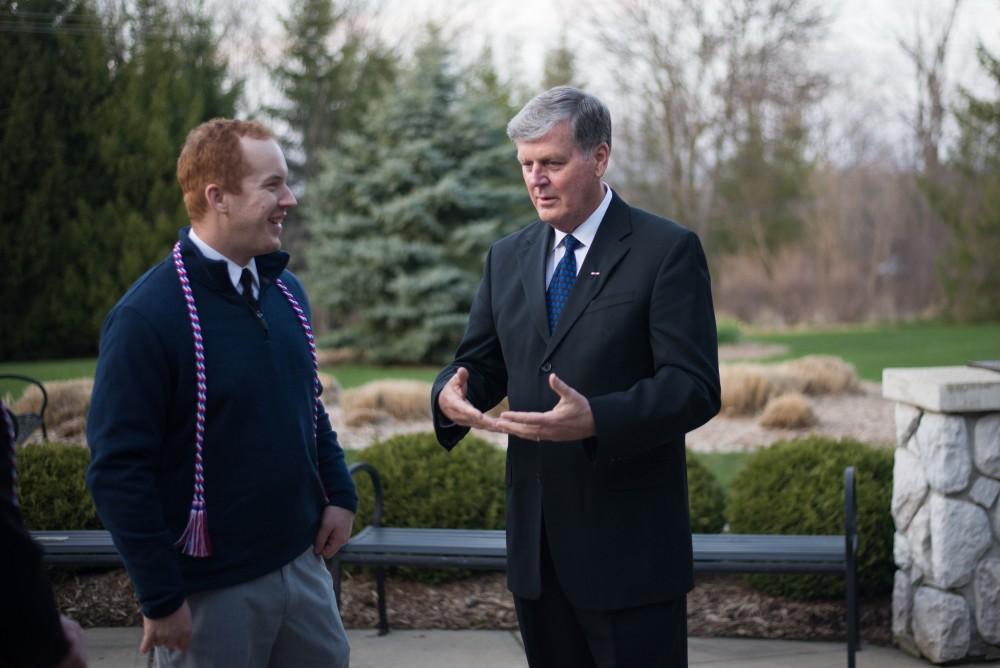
683	393
125	430
29	618
481	355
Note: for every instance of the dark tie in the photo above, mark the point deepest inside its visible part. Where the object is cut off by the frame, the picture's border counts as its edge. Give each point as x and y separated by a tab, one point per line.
562	282
246	282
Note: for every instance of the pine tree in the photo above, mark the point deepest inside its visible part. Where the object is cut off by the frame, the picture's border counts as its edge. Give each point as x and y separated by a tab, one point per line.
330	72
760	192
560	67
54	72
406	208
90	140
970	206
170	80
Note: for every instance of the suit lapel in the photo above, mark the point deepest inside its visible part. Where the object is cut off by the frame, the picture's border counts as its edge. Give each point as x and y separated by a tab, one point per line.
531	266
610	246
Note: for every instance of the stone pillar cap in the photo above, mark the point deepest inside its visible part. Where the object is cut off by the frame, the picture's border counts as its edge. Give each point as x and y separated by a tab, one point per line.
944	389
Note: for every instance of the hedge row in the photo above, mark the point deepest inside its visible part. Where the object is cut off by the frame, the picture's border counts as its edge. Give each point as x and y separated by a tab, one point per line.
793	487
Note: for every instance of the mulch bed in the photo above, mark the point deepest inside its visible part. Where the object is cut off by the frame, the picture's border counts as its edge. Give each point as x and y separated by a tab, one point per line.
718	606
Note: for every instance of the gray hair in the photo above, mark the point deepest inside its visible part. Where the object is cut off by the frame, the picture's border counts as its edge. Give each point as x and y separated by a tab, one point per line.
589	119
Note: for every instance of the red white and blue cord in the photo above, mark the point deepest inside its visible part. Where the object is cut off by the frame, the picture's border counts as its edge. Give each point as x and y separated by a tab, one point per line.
195	540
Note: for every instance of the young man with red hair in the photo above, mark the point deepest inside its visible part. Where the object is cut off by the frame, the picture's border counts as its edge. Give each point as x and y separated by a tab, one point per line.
215	467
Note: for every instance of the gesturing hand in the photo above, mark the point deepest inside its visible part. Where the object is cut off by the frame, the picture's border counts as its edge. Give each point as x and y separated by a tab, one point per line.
571	419
453	403
172	631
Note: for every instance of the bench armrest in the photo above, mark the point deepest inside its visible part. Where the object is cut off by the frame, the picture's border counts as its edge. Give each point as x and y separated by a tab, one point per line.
376	485
28	422
850	516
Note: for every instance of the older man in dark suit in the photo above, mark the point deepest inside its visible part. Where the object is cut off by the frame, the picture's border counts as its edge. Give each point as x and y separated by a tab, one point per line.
596	321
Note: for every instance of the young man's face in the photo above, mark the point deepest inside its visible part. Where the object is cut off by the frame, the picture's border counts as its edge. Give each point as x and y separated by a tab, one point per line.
564	183
254	216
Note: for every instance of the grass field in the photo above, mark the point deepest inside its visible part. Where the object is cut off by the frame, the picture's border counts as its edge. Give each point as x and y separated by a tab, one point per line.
872	349
352	375
47	370
348	375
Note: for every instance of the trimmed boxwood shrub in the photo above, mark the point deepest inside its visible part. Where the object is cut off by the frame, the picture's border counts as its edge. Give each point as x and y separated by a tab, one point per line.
706	499
797	487
728	330
52	488
427	486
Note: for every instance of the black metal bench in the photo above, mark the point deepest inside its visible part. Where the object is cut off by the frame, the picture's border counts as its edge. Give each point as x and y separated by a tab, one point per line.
27	423
382	547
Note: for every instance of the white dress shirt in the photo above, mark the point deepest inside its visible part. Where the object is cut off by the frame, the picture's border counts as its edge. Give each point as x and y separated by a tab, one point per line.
584	233
235	270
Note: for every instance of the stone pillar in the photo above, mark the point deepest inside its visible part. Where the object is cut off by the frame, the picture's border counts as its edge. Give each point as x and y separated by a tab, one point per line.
946	481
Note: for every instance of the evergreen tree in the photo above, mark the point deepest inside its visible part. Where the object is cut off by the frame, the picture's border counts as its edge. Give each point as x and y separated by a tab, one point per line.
54	70
760	192
330	72
405	209
560	67
971	206
94	119
170	80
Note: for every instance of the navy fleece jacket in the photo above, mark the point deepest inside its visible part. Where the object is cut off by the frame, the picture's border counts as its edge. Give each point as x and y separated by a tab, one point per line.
263	469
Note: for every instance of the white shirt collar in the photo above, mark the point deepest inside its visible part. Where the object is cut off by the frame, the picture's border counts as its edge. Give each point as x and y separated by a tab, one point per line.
235	270
587	230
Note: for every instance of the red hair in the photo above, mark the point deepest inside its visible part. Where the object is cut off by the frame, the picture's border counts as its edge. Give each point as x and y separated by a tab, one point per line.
212	154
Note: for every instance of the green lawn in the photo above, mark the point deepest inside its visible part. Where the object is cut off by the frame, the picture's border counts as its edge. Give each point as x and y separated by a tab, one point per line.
47	370
352	375
348	375
871	349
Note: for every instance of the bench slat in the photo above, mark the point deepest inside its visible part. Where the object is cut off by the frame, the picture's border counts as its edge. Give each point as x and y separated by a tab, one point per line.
440	545
727	549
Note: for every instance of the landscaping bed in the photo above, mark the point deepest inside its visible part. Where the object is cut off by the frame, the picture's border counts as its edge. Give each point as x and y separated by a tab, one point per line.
720	605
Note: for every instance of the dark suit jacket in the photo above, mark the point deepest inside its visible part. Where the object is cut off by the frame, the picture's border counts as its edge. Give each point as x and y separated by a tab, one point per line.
31	632
637	338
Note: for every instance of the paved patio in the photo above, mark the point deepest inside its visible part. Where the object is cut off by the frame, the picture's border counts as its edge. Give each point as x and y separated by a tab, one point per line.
118	648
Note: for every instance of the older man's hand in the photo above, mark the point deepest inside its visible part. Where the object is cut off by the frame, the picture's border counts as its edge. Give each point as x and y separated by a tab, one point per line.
453	402
570	420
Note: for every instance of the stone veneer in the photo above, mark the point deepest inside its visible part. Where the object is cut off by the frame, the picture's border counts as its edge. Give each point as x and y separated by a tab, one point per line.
946	482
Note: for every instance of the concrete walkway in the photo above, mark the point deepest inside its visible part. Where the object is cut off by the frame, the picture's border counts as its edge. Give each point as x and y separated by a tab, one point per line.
118	648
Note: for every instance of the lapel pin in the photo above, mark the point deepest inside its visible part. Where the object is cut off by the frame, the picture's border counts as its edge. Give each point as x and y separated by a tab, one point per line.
595	273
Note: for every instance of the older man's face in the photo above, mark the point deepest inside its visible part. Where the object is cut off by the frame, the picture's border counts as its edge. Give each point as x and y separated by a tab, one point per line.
564	183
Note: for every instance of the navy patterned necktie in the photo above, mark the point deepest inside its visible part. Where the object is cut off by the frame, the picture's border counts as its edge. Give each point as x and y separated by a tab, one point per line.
562	282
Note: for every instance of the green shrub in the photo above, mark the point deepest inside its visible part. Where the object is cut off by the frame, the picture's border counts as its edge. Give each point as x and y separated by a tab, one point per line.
797	487
426	486
728	330
706	499
52	488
